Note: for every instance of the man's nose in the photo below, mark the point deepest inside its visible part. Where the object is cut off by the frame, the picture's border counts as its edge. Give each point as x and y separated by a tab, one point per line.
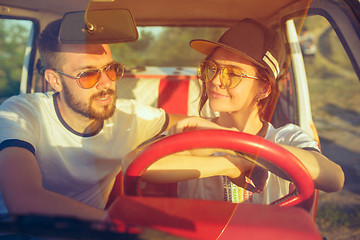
104	81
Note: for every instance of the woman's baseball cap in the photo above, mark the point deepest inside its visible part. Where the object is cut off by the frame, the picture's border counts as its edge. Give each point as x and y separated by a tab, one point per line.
251	40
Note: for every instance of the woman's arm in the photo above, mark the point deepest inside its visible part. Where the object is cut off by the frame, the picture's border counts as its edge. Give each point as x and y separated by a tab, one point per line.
183	166
327	175
193	163
197	163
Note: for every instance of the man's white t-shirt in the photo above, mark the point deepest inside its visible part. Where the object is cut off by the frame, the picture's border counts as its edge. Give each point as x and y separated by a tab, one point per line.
220	188
82	167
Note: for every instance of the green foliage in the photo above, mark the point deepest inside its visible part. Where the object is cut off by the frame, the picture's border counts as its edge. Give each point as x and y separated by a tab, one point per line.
331	49
331	77
169	47
333	216
13	39
334	91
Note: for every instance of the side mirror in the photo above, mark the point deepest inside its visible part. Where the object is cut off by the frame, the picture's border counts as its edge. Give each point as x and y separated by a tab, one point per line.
101	26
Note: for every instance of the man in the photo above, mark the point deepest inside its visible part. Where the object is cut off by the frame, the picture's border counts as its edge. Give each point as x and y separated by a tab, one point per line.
61	151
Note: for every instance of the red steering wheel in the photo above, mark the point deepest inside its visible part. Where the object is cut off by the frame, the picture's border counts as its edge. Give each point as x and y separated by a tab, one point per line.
242	142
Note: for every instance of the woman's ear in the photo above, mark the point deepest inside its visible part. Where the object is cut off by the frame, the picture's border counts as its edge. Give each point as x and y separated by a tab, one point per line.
53	79
265	91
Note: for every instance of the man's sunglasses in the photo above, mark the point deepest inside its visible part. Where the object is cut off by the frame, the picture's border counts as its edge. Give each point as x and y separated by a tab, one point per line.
89	78
230	76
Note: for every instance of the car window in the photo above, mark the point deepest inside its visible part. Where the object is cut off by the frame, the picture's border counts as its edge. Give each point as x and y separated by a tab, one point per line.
14	36
164	46
335	96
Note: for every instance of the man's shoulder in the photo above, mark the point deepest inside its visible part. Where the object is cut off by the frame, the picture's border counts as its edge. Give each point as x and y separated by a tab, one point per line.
29	98
29	102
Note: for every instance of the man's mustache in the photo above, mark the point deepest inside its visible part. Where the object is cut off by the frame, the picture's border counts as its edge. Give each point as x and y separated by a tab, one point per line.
103	93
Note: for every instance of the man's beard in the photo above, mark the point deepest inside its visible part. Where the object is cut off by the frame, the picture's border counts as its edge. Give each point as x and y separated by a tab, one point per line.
87	110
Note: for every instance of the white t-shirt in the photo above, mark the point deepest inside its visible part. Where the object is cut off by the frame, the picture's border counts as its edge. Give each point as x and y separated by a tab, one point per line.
82	167
220	188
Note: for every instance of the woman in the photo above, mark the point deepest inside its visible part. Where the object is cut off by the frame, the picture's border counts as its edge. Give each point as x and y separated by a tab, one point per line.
239	75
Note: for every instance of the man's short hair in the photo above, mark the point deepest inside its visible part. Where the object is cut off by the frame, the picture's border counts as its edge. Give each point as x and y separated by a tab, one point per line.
49	46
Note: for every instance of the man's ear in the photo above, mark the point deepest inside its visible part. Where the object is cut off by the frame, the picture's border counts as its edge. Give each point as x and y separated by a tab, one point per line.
53	79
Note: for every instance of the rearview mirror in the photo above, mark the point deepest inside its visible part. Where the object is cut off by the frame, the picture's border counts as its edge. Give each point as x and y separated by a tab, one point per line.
102	26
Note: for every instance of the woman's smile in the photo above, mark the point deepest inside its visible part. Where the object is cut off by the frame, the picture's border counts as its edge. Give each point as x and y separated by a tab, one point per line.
216	95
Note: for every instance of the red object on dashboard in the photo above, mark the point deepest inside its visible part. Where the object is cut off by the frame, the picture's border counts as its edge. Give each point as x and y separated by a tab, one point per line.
199	219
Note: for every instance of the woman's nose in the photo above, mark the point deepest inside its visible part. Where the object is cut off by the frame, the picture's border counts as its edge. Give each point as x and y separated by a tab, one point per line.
217	80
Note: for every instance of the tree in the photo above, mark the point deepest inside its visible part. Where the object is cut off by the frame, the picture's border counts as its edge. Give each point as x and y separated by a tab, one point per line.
169	47
13	38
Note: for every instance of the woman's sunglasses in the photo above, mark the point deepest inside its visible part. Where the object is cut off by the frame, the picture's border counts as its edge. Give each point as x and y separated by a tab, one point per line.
230	76
89	78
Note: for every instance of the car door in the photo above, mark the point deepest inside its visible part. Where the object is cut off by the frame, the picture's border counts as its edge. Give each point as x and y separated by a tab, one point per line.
330	49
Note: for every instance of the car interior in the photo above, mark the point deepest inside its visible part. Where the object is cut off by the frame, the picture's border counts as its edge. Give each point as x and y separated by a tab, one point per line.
176	89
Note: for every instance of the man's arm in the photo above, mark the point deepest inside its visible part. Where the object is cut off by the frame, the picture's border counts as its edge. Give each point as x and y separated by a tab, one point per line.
23	193
173	119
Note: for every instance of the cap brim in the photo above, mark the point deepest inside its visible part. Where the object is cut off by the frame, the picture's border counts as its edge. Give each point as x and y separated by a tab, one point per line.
207	47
